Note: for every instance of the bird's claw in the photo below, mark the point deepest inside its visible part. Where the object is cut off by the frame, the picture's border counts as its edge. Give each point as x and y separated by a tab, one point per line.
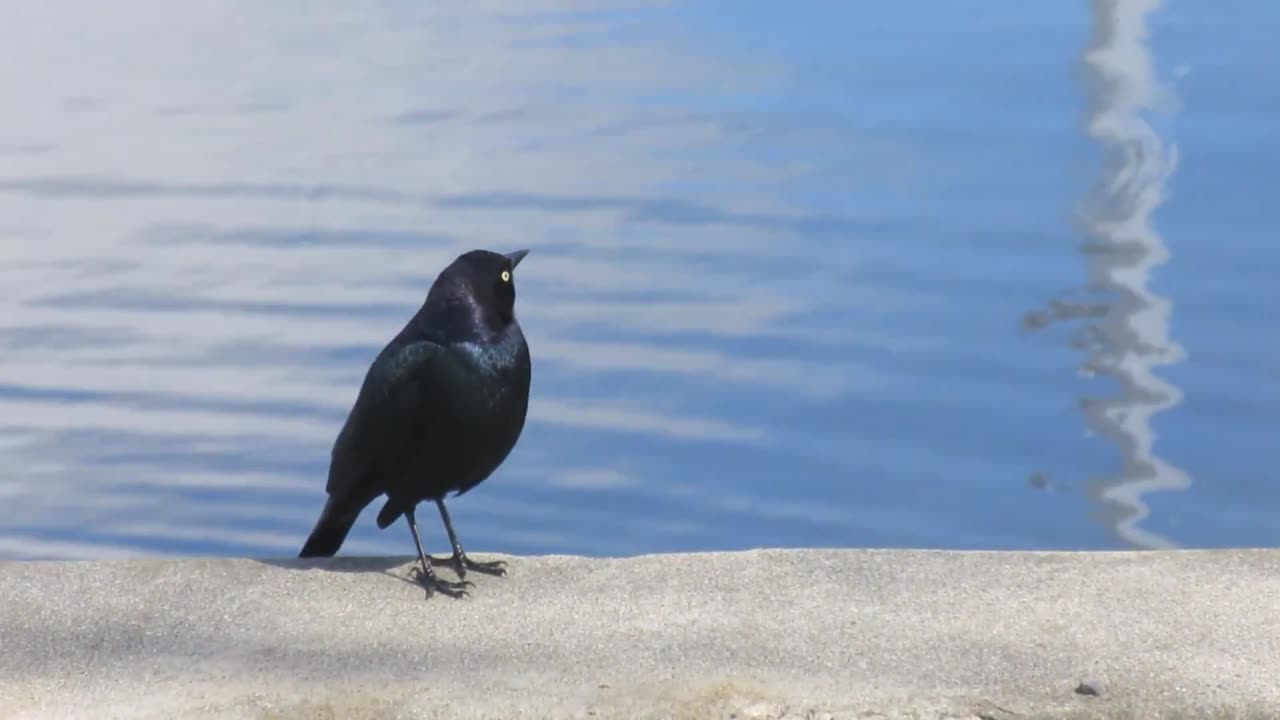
434	583
461	563
494	567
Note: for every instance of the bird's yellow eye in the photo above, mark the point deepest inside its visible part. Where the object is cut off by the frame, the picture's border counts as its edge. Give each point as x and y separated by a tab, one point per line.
506	276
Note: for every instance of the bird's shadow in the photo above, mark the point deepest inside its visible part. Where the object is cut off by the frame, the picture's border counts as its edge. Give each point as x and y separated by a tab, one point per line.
385	565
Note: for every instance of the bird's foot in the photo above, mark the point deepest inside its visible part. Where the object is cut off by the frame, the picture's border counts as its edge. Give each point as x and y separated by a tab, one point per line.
434	583
461	564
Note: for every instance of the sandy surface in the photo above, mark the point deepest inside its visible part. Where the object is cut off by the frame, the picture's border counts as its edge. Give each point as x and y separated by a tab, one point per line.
766	634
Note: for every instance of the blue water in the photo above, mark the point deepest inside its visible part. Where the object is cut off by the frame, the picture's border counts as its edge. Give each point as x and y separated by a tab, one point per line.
938	273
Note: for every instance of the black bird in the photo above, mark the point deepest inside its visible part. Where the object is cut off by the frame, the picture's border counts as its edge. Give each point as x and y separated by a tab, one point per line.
440	408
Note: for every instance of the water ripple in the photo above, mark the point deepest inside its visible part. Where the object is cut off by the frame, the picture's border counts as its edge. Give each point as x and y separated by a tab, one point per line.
769	298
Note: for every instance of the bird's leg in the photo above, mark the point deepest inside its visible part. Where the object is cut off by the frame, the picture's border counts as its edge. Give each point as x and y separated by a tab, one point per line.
425	575
460	561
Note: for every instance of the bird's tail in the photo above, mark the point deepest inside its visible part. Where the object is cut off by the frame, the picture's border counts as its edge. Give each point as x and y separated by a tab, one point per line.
329	532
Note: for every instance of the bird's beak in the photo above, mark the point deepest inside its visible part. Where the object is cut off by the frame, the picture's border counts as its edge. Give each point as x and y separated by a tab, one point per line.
516	257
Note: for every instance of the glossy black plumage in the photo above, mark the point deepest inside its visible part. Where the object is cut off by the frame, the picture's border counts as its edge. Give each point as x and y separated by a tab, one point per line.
441	407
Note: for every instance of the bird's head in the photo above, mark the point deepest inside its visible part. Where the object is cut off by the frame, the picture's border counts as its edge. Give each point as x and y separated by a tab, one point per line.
483	283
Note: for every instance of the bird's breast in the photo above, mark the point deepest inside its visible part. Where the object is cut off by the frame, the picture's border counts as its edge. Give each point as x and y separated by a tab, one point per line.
485	417
493	393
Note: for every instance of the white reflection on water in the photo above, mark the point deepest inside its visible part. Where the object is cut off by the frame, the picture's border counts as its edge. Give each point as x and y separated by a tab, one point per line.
1130	336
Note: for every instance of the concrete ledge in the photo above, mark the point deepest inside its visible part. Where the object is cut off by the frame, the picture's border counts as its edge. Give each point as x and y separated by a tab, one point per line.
794	634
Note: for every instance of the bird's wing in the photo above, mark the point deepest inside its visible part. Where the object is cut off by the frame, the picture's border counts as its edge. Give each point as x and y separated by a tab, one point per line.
388	414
